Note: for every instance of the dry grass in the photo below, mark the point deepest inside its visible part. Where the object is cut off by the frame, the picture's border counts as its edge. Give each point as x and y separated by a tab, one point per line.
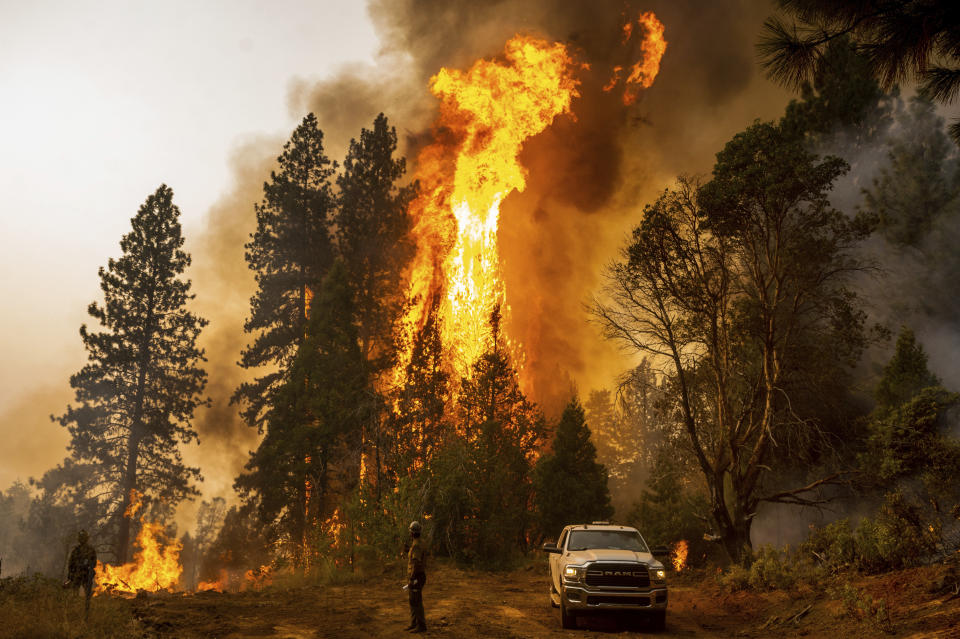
39	608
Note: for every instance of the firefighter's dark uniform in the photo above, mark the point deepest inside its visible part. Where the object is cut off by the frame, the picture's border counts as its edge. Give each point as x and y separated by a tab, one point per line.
82	568
416	579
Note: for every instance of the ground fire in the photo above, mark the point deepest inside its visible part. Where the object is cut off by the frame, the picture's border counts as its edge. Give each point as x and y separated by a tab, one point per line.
156	562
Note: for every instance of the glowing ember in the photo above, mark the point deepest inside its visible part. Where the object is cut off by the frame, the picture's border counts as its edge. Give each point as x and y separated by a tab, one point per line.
644	71
334	526
255	579
679	555
486	114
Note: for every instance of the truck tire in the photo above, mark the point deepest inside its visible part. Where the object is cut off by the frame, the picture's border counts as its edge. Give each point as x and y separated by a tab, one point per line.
554	593
658	620
568	618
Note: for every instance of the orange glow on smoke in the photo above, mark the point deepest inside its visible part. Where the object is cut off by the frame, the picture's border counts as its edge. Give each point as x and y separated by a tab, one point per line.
155	566
679	555
643	72
486	115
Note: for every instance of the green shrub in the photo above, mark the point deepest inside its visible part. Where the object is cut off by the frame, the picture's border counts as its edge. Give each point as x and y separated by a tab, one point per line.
773	569
863	607
734	578
897	537
833	545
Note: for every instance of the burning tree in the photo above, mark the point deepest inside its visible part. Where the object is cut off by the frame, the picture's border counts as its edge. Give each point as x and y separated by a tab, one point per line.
137	394
479	482
314	422
372	239
737	287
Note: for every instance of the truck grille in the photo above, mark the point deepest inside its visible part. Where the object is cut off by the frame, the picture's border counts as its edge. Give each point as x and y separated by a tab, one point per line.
623	575
599	600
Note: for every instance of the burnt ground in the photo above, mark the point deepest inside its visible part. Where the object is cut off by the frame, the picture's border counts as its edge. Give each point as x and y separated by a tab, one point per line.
463	603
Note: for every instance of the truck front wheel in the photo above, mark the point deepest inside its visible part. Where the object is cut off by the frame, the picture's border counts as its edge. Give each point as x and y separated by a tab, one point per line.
658	620
568	618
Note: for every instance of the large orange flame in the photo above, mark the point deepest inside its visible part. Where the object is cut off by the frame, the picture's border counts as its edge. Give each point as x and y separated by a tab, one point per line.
155	566
486	114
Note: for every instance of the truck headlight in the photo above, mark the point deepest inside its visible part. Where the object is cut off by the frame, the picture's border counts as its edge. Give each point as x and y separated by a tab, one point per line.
572	572
660	575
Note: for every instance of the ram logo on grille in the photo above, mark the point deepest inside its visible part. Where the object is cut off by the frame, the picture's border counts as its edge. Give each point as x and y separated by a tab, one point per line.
622	573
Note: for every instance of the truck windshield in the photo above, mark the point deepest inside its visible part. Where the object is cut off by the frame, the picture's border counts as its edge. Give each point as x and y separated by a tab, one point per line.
606	539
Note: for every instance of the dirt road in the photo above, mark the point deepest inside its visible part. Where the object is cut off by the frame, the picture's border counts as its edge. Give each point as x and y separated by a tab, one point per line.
511	605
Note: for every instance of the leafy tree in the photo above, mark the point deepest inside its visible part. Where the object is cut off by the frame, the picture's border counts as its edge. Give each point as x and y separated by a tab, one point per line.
314	421
290	252
209	520
731	283
239	544
899	39
372	240
569	485
136	396
628	428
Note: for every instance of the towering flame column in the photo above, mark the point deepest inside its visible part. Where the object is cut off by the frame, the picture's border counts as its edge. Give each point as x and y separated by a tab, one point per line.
486	114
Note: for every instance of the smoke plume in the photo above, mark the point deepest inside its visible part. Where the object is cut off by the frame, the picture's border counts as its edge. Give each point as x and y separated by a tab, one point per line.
588	175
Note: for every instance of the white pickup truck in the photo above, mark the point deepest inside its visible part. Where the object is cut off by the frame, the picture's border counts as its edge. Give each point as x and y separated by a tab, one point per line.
596	567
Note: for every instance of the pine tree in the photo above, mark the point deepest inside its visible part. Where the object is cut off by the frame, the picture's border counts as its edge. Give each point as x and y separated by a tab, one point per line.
136	396
570	486
919	181
372	236
906	374
908	433
312	421
843	104
419	423
372	240
290	252
502	431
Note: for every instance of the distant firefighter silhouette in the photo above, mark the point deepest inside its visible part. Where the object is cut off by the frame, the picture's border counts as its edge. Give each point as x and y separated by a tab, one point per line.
82	568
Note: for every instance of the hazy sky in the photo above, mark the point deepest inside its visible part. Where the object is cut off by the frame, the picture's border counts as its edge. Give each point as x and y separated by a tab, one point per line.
100	102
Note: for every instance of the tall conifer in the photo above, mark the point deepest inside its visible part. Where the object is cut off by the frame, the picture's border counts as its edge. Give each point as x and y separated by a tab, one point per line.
290	252
136	395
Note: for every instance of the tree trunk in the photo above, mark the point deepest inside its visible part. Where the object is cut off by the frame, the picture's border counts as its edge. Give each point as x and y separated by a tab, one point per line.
734	527
129	484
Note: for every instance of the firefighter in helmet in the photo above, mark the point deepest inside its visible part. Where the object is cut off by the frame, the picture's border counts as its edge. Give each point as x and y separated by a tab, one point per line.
416	579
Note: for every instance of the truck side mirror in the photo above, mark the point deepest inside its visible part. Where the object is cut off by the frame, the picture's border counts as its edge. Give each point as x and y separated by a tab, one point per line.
660	551
551	548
